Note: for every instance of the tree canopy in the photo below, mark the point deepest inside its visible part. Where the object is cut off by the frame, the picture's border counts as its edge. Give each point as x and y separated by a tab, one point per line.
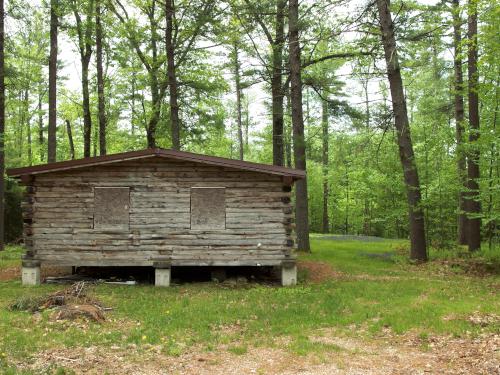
310	84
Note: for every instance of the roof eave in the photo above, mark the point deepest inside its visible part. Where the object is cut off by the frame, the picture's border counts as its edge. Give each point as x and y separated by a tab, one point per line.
295	174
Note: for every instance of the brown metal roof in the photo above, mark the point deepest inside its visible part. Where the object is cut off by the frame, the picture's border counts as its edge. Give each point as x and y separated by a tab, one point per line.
157	152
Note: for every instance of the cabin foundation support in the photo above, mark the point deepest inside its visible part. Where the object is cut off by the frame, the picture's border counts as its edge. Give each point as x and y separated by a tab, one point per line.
288	273
162	273
31	272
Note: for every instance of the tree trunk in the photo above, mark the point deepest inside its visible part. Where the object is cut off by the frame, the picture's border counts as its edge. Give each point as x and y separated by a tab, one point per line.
459	123
20	127
52	128
236	66
132	105
347	197
324	125
40	124
276	84
101	106
367	103
492	224
288	129
156	96
87	119
27	120
247	120
172	78
367	218
416	217
85	47
474	203
155	115
366	214
95	140
288	145
70	140
2	125
299	150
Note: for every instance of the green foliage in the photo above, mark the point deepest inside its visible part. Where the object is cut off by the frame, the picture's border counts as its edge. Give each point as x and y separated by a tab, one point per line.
14	219
26	303
11	257
366	192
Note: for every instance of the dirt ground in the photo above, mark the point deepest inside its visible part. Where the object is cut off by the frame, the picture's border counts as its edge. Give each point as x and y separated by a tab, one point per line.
387	354
318	272
12	273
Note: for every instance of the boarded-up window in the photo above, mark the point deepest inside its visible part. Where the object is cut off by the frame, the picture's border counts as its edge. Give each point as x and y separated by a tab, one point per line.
111	206
208	208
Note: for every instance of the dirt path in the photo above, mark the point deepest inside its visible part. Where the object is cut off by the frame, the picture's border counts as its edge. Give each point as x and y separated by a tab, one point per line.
385	355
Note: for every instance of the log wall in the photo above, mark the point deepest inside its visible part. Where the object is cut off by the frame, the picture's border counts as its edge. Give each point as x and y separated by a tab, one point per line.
59	216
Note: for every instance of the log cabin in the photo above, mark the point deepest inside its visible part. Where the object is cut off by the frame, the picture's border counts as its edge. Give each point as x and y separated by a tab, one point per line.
157	208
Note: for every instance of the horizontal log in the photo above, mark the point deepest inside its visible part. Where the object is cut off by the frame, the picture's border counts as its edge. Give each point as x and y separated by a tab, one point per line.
126	246
177	253
66	211
62	201
54	197
62	224
68	183
162	173
92	262
188	240
254	238
64	216
56	233
61	204
169	209
146	225
153	213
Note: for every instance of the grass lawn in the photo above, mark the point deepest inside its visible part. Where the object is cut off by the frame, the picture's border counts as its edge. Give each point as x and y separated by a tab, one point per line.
374	289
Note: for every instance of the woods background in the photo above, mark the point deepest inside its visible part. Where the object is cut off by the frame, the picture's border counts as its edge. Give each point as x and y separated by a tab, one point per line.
224	78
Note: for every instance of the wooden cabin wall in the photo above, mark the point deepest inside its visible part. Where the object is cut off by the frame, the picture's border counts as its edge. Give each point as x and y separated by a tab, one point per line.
59	216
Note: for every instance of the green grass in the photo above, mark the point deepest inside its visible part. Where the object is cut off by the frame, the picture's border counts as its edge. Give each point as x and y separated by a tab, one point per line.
11	257
379	288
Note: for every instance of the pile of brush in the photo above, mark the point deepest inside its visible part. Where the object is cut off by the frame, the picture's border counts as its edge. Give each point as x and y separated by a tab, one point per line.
69	304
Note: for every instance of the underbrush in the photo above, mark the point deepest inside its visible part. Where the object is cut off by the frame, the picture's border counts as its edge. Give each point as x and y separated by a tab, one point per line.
457	259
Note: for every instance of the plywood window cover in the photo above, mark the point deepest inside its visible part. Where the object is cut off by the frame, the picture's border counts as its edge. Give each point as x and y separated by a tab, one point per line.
208	208
111	207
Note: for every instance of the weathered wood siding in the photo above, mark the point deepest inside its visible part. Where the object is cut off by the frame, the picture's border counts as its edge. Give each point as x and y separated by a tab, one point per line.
59	216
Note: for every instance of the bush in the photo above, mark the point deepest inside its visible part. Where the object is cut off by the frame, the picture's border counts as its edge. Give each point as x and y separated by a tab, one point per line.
13	215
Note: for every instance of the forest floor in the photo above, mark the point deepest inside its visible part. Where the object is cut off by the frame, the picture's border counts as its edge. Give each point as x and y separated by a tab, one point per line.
360	308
